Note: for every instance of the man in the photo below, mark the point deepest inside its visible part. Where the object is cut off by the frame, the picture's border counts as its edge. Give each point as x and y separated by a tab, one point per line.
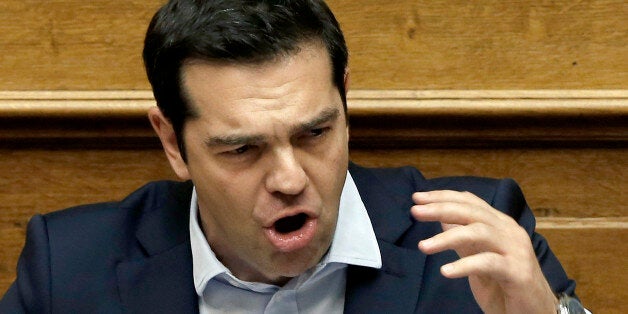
273	216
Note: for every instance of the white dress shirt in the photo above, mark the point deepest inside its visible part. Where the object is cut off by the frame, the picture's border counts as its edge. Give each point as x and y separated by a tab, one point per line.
320	289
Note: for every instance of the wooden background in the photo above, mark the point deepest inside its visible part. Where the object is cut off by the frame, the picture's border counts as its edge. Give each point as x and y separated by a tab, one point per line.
533	90
404	44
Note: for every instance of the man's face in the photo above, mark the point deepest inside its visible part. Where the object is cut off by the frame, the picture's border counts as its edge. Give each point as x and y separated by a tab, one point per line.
268	155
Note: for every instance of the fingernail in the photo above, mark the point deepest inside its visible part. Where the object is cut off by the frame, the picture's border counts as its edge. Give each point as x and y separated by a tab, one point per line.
447	269
419	194
420	197
427	243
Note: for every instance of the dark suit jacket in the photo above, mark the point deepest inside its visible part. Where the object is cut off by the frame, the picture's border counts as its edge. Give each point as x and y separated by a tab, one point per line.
135	256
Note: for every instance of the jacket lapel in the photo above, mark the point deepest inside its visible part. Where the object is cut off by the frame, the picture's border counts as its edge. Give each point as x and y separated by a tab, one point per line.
395	287
161	281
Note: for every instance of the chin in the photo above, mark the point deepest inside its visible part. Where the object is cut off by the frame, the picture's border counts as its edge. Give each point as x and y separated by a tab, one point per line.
281	275
293	265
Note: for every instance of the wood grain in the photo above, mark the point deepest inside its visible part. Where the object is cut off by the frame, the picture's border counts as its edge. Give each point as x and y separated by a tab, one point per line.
411	44
557	182
426	103
405	44
66	44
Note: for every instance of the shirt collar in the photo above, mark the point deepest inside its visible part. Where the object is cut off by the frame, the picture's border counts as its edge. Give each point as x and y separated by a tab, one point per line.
354	241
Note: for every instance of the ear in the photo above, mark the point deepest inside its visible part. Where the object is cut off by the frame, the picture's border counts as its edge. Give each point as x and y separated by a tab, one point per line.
165	131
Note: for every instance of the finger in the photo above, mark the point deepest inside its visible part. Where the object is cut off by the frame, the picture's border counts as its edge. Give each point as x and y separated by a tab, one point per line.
447	196
465	240
455	213
485	264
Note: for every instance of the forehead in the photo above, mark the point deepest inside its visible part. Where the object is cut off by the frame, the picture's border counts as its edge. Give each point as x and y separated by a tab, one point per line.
214	85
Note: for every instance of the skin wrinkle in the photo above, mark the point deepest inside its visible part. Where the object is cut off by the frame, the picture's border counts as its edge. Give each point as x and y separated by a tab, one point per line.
326	116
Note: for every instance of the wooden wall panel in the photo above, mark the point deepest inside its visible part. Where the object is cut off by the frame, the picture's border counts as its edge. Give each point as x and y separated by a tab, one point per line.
411	44
405	44
596	259
67	44
557	182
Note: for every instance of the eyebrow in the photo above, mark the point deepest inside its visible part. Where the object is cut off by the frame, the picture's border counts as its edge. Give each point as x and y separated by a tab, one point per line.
327	115
233	140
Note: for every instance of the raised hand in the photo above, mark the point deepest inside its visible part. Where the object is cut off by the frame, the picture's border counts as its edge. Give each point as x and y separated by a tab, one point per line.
496	253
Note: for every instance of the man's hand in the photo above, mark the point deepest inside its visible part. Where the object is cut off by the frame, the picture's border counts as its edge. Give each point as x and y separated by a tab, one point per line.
496	253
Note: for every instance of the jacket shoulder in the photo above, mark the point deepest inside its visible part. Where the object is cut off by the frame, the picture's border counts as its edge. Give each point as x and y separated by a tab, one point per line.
406	180
408	177
145	199
110	227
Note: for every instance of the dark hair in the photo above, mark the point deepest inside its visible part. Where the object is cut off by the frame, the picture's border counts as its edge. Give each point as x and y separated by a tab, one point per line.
251	31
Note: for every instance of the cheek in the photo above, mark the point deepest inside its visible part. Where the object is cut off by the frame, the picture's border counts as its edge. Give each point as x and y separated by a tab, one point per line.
230	196
331	171
228	211
339	155
210	173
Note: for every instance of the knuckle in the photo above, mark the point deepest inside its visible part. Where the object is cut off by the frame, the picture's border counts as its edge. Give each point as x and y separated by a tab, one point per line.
482	231
492	262
521	234
473	237
467	194
489	260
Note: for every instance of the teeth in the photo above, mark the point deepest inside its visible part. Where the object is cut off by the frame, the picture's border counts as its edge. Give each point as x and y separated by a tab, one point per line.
289	224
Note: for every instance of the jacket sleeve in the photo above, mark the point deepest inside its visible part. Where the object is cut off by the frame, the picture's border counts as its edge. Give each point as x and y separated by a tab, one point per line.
30	293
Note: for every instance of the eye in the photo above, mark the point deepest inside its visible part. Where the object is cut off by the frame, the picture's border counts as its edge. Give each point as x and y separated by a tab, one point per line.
240	150
241	154
318	132
314	137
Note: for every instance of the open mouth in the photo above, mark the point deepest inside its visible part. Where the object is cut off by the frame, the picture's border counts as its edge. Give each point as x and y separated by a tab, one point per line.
291	223
292	233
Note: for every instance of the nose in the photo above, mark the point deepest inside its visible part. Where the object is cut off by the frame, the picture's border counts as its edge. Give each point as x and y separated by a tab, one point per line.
286	174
